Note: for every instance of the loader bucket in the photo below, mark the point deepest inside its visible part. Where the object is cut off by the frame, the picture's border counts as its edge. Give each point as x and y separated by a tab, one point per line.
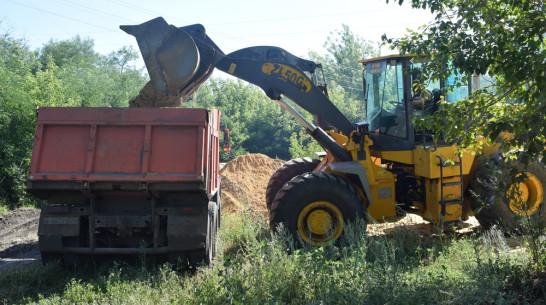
173	58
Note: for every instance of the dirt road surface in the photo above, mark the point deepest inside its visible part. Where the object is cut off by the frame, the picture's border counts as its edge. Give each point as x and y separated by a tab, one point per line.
19	238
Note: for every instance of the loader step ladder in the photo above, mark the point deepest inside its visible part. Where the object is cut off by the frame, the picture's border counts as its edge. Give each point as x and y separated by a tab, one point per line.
443	184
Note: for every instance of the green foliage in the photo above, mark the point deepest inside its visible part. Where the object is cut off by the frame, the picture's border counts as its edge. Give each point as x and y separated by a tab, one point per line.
17	118
503	42
64	73
302	145
501	39
340	64
108	81
256	123
75	51
402	267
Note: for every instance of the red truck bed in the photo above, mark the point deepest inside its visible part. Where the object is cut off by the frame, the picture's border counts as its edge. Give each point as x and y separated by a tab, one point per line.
126	145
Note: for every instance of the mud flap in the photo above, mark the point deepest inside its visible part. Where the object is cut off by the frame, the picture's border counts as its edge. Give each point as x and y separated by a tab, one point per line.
52	228
187	232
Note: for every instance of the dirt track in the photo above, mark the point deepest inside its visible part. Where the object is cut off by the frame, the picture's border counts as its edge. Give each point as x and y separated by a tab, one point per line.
19	238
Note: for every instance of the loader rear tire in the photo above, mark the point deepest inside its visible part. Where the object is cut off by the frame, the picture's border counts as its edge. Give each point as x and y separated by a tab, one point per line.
285	173
314	208
493	206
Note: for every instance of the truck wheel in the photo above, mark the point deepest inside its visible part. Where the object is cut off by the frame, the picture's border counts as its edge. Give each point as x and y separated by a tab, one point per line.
205	255
507	210
285	173
219	203
214	234
314	207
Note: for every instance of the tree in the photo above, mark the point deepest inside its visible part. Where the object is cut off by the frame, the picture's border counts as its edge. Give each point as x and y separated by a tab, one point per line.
340	64
64	73
17	117
256	123
502	39
92	79
73	51
302	145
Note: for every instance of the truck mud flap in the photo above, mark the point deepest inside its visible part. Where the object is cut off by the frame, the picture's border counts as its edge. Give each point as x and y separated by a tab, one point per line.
186	232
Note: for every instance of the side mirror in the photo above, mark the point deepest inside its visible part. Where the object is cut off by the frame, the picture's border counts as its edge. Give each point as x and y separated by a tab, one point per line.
227	142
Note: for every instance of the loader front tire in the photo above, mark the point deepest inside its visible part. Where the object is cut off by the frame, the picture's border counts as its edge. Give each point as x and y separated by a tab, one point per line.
285	173
314	208
514	203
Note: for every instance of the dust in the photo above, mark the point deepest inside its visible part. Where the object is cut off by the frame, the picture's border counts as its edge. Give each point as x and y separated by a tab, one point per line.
244	181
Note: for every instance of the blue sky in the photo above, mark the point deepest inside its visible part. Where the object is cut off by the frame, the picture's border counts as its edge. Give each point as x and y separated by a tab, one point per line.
297	26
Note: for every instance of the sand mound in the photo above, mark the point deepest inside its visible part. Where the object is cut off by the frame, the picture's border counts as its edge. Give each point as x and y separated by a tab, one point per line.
244	181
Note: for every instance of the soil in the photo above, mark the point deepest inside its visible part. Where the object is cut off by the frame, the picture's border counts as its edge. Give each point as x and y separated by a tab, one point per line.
244	181
18	238
147	99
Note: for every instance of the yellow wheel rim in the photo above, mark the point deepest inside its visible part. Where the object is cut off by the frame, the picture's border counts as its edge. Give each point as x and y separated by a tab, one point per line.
320	222
527	196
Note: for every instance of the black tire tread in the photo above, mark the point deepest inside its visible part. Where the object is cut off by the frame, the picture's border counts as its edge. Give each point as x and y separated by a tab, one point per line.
286	204
485	185
285	173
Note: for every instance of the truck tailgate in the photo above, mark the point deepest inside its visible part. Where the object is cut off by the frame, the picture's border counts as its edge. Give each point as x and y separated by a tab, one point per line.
121	144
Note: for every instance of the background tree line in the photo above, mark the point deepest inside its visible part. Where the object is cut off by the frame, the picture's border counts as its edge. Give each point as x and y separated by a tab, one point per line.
63	74
70	73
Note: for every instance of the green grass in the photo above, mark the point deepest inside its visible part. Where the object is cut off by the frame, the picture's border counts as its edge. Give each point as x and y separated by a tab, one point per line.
4	209
257	267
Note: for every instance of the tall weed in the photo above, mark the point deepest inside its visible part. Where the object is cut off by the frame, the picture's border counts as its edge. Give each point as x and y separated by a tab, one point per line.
258	267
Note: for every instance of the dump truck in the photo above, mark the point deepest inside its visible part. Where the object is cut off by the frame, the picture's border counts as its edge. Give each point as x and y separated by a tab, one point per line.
127	181
380	169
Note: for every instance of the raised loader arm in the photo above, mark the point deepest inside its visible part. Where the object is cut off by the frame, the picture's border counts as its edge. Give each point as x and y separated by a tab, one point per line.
180	59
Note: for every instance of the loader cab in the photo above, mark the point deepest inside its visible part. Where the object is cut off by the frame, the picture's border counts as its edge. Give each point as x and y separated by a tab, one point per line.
394	93
387	96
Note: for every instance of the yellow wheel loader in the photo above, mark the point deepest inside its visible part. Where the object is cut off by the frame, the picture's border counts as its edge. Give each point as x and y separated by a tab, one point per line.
380	169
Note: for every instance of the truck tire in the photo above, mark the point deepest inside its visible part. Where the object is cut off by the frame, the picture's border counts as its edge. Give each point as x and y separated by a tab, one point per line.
285	173
214	235
206	255
314	208
500	210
